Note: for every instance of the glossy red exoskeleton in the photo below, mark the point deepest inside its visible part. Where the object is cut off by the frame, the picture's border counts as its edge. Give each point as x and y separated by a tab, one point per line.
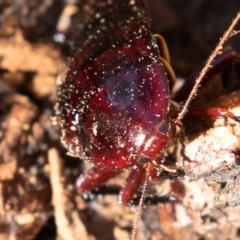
114	104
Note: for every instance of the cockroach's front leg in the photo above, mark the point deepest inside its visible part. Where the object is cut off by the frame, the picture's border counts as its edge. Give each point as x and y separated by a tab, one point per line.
94	178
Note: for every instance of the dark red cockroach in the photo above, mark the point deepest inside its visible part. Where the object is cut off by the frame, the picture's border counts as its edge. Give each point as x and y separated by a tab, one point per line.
114	106
114	101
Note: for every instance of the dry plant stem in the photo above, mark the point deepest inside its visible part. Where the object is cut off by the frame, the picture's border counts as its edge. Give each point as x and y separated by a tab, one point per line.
229	33
2	212
59	204
65	231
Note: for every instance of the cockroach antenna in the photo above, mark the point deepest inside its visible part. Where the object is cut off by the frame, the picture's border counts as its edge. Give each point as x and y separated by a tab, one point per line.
140	206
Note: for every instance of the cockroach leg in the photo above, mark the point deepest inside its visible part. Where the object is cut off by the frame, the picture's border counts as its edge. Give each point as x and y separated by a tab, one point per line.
221	62
132	184
93	178
212	112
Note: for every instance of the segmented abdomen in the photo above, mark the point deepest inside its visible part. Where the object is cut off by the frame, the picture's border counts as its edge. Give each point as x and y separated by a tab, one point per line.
115	91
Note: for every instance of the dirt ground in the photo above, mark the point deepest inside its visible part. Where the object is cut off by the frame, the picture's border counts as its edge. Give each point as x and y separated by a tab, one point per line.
37	195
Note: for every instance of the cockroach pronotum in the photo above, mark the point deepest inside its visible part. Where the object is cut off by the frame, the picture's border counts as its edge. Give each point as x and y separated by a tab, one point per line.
114	108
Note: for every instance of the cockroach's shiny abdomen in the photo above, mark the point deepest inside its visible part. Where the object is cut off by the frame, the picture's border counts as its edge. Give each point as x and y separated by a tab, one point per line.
115	92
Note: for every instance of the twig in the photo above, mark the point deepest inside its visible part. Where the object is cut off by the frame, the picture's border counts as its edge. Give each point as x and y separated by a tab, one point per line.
59	200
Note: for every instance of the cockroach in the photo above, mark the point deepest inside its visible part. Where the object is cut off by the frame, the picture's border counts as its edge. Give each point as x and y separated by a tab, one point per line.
114	108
